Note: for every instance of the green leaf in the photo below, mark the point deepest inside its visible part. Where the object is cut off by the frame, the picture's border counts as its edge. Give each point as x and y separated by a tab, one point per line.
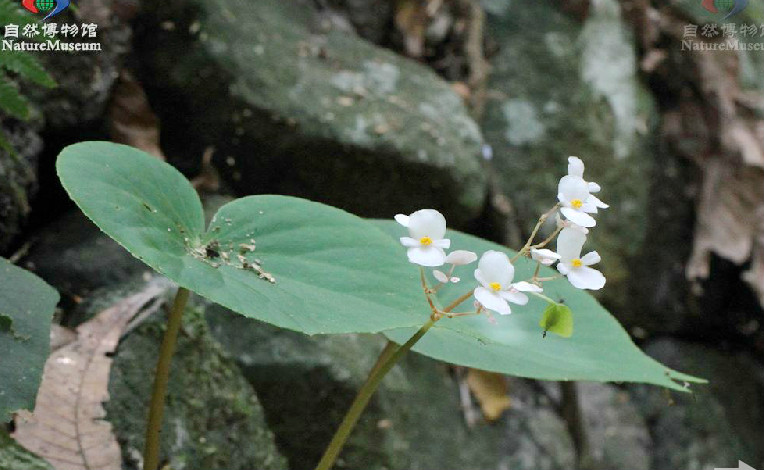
12	102
5	145
599	351
11	13
24	64
558	319
333	272
26	309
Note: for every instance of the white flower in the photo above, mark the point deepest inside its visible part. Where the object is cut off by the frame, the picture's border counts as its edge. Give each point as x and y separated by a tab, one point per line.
576	168
461	257
544	256
495	273
427	227
575	267
573	194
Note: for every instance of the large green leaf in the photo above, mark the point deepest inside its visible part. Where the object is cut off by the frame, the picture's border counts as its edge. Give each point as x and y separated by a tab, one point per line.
599	350
333	272
26	309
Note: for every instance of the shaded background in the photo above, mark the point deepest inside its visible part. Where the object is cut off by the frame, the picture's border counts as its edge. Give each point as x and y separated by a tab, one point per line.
470	107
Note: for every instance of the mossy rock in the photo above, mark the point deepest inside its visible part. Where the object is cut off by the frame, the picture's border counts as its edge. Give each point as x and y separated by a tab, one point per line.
414	420
293	108
212	420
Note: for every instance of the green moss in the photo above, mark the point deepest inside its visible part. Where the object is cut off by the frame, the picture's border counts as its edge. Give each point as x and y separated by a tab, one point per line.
213	419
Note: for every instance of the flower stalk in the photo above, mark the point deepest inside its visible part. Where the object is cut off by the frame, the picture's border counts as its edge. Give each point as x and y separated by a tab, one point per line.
385	362
161	378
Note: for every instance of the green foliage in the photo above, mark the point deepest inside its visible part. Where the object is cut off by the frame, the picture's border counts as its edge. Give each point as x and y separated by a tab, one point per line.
21	64
26	66
332	272
599	351
26	308
557	318
11	101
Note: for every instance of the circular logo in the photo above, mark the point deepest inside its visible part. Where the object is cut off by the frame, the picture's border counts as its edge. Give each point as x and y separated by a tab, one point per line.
45	5
724	6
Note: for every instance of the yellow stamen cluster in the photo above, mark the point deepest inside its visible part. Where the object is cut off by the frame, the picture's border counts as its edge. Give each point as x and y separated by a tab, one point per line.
495	286
576	203
426	241
576	263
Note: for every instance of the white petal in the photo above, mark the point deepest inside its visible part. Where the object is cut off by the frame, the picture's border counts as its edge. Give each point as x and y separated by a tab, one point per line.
496	267
569	244
492	301
575	167
461	257
523	286
428	256
515	297
591	258
594	187
586	278
544	256
596	201
440	276
567	223
442	243
427	223
481	279
402	219
589	206
409	242
563	268
455	279
578	218
573	187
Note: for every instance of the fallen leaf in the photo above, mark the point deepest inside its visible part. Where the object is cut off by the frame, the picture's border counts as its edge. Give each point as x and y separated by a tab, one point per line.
67	427
490	389
717	124
131	120
411	20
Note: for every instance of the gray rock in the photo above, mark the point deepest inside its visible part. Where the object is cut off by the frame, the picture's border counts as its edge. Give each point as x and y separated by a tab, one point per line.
293	108
571	88
719	424
414	421
18	177
76	258
617	434
212	420
85	79
369	18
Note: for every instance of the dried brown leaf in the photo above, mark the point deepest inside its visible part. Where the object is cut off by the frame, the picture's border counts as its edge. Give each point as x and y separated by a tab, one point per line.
719	127
411	20
67	427
490	389
131	120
